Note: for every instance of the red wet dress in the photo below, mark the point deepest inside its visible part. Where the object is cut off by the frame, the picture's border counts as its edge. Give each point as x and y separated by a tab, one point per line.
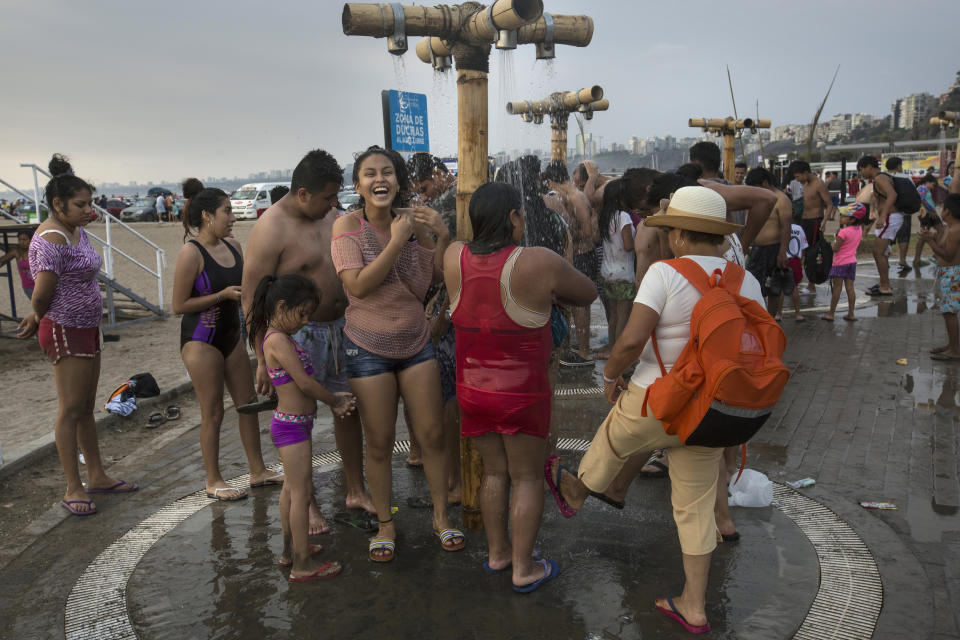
502	383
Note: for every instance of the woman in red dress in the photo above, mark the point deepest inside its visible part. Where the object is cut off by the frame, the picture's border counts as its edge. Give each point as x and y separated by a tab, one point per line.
500	297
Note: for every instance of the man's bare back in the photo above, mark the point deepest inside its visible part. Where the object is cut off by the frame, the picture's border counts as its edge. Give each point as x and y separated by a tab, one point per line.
772	230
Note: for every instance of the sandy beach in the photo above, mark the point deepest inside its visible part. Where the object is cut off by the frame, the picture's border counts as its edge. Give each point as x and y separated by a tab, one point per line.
152	346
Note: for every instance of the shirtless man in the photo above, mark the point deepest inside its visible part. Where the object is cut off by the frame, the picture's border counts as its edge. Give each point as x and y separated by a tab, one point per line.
769	250
293	236
566	197
816	200
888	220
945	243
587	178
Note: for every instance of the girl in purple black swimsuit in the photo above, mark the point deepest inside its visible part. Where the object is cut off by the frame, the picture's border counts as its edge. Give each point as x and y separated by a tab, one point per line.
282	305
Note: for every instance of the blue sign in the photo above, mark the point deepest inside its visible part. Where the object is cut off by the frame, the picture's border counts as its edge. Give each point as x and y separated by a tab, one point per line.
405	121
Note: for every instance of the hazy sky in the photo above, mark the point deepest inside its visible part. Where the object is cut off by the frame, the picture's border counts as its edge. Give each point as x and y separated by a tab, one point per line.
137	90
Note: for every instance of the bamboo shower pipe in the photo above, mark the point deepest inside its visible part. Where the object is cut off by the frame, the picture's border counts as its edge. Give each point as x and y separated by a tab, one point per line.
465	33
558	107
728	128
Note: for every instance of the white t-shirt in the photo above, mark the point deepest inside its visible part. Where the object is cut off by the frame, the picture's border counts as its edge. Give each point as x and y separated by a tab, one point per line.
161	206
668	293
617	262
798	241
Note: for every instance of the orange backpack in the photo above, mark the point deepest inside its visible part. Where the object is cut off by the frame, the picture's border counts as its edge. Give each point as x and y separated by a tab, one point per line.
729	375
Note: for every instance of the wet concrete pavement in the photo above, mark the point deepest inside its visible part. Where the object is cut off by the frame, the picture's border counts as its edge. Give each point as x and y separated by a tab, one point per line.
865	427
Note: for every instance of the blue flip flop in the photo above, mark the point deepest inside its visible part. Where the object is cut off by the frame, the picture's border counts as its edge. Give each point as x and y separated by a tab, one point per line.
486	564
551	571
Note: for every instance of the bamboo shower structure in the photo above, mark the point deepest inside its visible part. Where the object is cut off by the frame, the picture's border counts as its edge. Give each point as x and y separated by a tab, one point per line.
728	128
558	106
464	33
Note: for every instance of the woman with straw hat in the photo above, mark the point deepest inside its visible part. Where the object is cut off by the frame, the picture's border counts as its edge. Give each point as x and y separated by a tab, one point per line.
696	221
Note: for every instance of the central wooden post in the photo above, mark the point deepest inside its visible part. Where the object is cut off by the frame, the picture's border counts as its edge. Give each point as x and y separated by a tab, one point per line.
729	154
558	138
728	128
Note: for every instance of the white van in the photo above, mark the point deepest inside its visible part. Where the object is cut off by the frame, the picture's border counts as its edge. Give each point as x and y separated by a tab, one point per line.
251	200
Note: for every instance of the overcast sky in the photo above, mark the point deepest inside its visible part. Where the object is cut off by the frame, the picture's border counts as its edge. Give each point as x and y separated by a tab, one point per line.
137	90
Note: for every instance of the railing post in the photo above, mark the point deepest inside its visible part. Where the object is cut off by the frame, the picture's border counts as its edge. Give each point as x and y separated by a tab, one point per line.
160	280
108	252
36	193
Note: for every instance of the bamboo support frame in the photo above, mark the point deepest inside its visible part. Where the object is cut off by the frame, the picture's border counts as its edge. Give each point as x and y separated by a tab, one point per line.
728	128
559	106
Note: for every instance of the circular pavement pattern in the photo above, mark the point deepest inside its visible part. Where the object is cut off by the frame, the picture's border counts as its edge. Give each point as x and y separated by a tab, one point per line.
846	605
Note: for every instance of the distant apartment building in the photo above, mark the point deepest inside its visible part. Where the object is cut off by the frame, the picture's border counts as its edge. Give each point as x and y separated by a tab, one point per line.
910	111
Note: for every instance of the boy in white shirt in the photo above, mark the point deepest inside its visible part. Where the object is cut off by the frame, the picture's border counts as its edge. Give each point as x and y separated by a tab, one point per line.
795	248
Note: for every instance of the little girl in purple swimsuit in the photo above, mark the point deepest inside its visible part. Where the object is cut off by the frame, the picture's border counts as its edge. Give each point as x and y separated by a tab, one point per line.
282	306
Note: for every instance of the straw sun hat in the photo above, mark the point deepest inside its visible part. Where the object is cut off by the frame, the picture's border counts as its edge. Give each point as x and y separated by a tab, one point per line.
695	209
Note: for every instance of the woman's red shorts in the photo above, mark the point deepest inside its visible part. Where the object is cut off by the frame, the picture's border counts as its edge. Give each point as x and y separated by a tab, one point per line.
58	341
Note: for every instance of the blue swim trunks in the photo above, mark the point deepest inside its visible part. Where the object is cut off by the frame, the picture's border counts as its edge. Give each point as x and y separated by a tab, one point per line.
323	341
947	290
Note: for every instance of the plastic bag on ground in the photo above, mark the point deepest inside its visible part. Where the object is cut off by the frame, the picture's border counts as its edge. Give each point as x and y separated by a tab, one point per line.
754	489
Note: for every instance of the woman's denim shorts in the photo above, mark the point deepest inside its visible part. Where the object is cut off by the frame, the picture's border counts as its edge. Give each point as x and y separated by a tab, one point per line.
364	364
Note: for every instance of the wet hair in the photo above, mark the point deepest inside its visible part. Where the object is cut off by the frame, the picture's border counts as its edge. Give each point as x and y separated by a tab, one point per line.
191	187
740	165
867	161
893	163
293	290
490	209
665	185
951	204
557	172
798	166
207	200
404	190
757	176
64	184
422	166
690	171
635	182
278	192
929	178
613	201
707	155
316	171
581	172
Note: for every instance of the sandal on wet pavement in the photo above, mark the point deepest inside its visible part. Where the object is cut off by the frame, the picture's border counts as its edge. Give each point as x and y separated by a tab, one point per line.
565	509
655	461
216	494
676	615
131	486
172	412
275	479
314	549
550	571
319	573
387	549
89	512
447	535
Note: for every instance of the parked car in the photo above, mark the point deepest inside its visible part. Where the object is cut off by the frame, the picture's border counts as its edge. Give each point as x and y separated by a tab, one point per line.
115	206
143	210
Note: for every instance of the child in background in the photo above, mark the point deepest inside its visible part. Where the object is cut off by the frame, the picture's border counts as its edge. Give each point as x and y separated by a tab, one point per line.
282	306
844	269
945	243
23	263
795	248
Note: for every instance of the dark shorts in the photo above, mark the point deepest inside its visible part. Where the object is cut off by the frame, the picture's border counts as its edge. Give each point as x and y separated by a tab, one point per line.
845	271
59	341
903	235
762	262
364	364
811	228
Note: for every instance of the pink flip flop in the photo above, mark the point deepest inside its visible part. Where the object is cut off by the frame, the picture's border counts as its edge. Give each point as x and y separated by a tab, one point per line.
676	615
565	508
89	512
131	486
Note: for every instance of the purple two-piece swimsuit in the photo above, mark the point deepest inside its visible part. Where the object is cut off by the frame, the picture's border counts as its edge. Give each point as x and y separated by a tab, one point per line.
290	428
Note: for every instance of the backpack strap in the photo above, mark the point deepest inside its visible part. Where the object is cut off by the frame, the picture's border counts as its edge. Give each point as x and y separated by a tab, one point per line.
692	271
733	277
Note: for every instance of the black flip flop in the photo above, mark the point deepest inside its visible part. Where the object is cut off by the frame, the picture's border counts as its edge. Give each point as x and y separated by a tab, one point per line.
172	412
155	420
259	404
616	504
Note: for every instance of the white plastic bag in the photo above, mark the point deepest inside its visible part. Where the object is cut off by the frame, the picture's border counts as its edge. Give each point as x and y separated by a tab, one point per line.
754	489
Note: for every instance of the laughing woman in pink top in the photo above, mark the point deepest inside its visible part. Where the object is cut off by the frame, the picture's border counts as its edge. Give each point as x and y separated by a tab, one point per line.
67	310
386	258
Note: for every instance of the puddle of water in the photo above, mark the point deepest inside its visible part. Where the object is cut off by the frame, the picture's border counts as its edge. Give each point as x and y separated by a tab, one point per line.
928	521
933	390
896	306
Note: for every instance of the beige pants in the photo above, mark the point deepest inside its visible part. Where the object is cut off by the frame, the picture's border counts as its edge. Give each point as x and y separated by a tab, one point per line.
693	470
